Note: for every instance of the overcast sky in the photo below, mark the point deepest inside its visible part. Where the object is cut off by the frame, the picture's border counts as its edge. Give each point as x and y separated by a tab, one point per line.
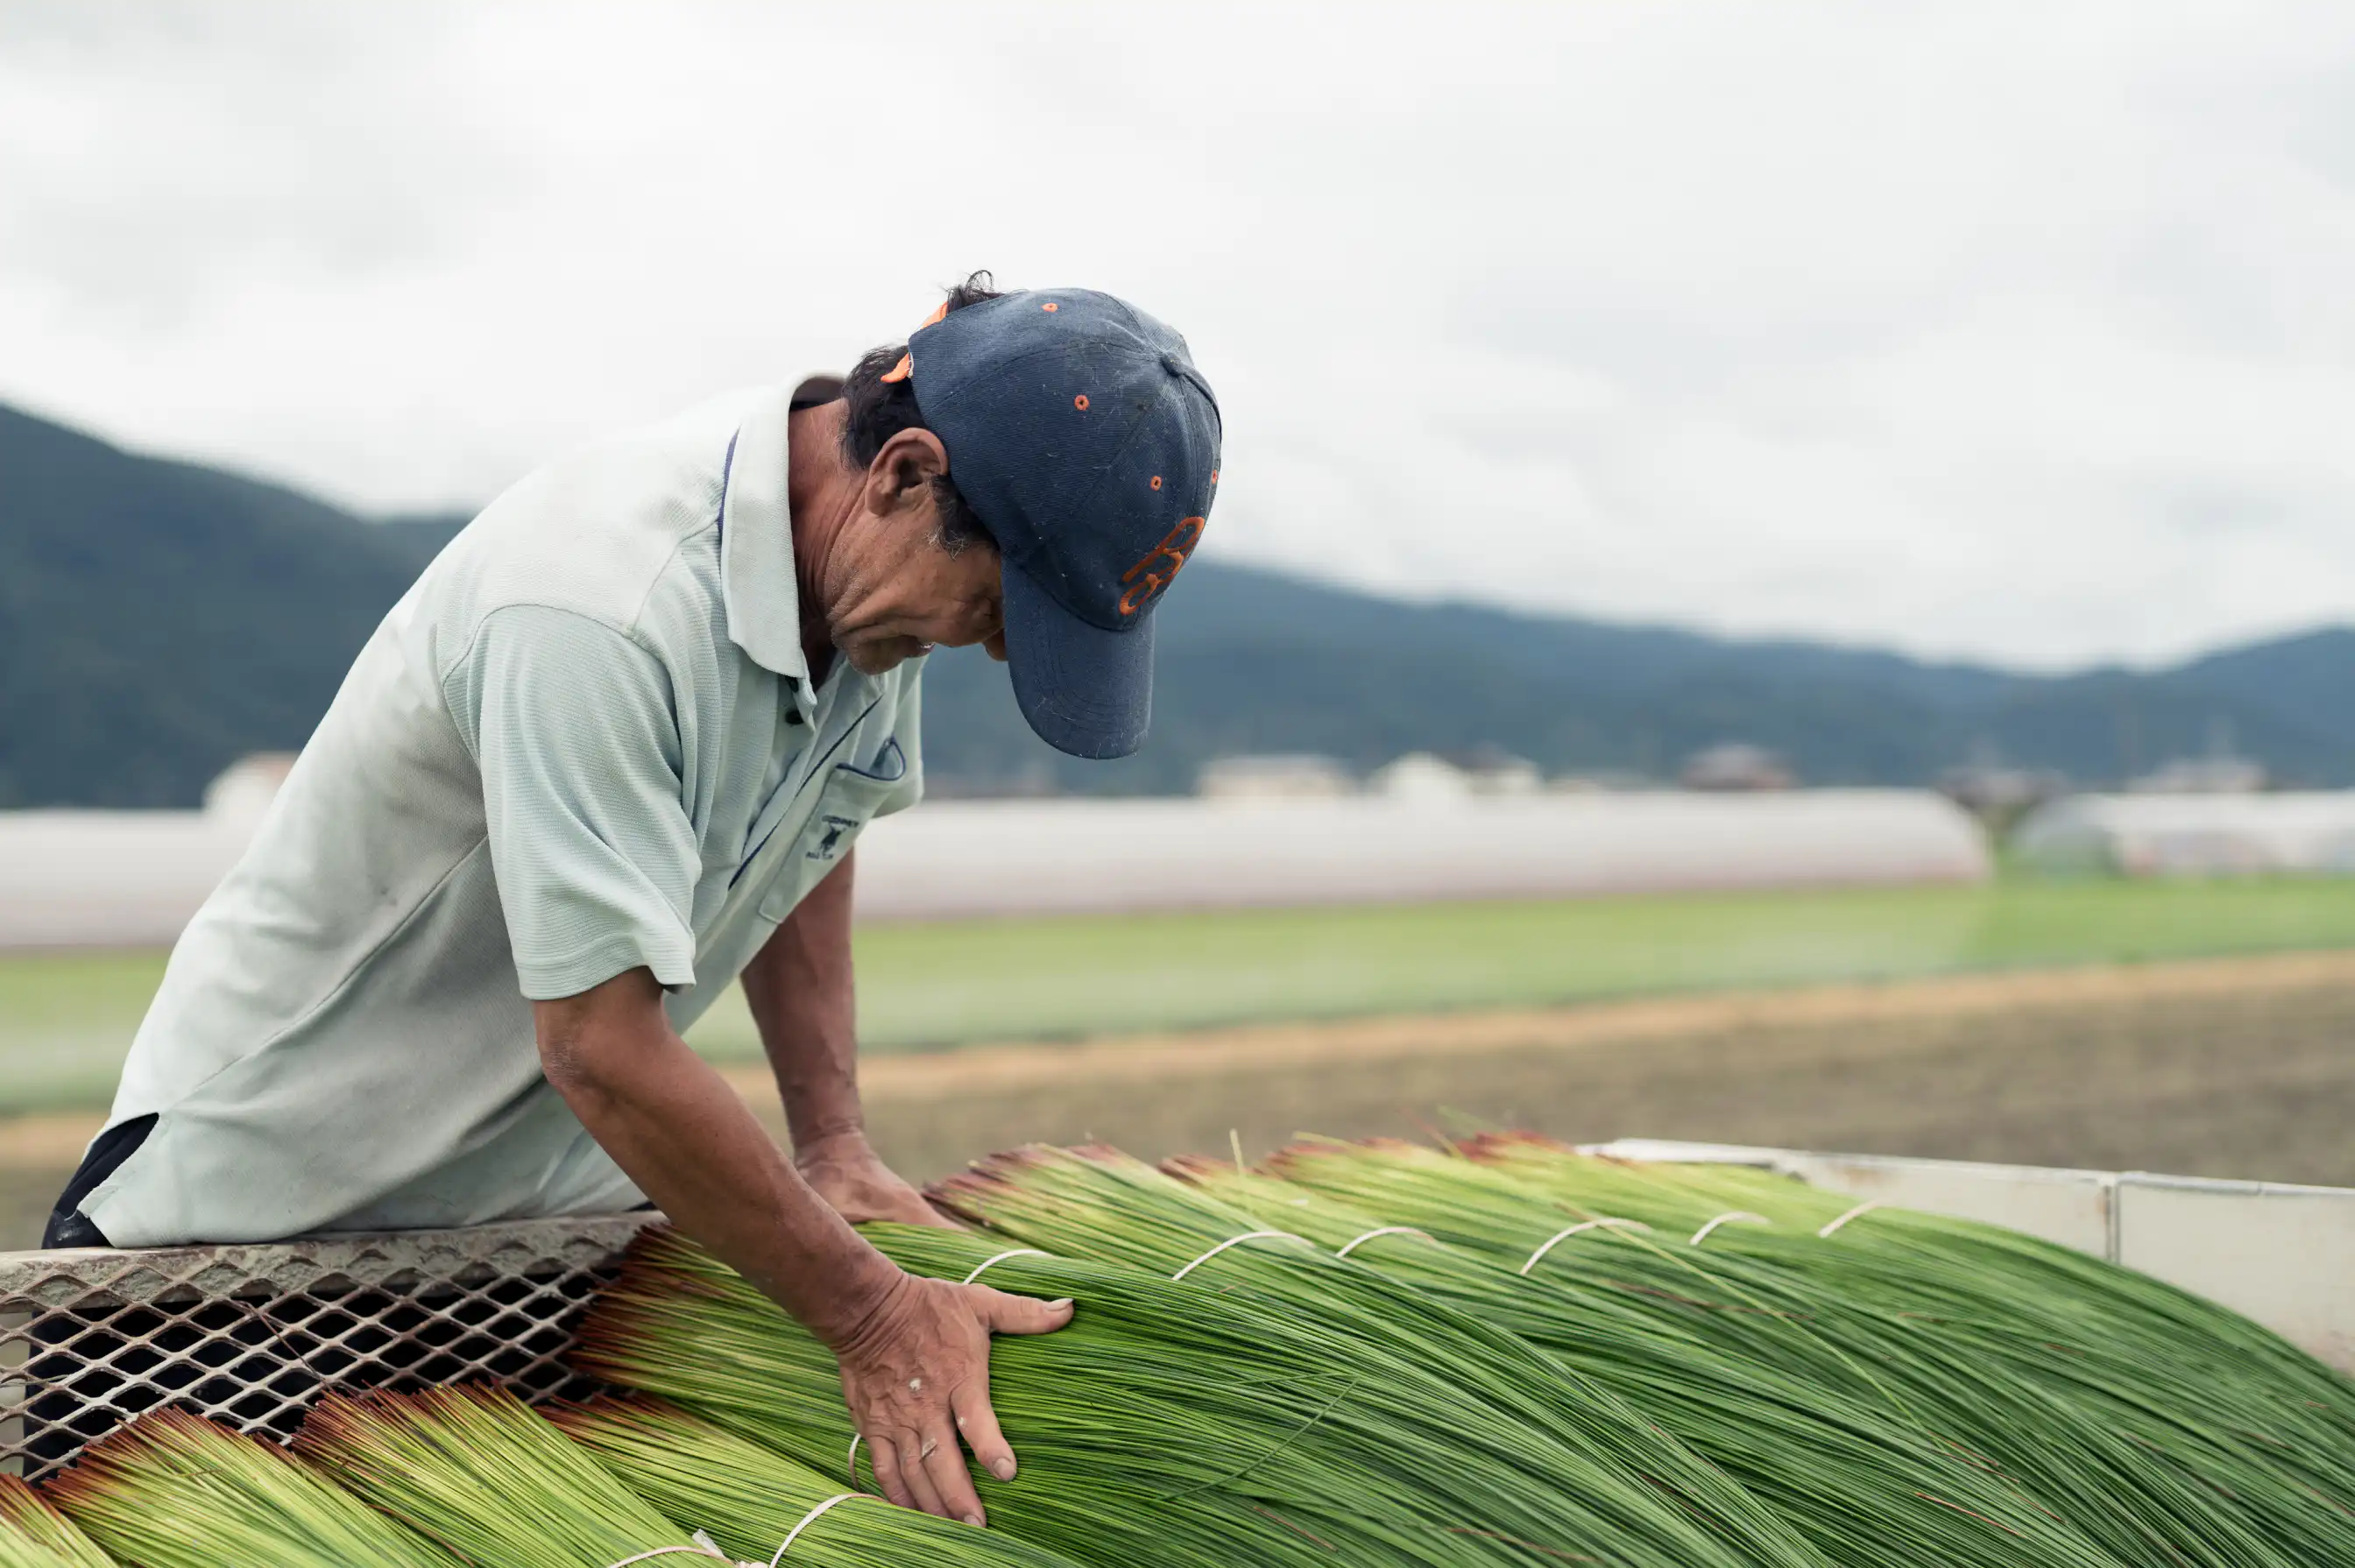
2023	332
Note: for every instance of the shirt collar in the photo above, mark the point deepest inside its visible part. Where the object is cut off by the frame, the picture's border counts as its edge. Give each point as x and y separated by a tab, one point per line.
756	544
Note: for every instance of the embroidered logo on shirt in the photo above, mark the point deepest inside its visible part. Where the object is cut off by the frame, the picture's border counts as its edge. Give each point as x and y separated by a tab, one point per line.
838	831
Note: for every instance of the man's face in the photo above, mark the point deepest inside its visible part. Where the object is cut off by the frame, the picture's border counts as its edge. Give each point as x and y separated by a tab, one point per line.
909	592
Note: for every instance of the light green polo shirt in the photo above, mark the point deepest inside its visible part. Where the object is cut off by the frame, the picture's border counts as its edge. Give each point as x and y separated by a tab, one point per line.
584	741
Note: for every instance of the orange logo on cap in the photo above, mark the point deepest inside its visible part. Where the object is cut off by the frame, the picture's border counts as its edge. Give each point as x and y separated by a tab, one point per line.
908	361
1147	577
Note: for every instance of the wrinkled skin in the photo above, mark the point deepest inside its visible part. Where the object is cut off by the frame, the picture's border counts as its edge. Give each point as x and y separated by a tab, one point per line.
916	1376
849	1175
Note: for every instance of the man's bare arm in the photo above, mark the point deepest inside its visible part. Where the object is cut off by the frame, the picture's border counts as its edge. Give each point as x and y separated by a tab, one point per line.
914	1351
803	1000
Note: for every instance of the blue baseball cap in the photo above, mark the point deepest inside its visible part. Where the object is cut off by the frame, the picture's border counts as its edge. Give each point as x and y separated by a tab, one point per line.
1082	436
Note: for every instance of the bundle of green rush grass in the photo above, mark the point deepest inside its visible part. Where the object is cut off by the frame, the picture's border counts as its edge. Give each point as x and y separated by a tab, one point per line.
480	1472
20	1552
34	1535
1170	1424
1896	1257
2145	1488
173	1490
750	1499
2228	1399
680	1325
1096	1202
1863	1487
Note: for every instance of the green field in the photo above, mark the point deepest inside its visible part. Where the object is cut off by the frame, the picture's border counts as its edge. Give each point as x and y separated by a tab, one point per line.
66	1019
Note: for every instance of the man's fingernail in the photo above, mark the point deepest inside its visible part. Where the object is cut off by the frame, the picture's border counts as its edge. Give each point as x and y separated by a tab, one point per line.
1003	1469
1058	1306
974	1519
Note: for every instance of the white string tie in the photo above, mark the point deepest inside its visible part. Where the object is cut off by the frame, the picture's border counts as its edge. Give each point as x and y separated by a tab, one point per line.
668	1551
1733	1216
807	1520
1011	1252
1560	1236
856	1438
1237	1240
1385	1230
1856	1213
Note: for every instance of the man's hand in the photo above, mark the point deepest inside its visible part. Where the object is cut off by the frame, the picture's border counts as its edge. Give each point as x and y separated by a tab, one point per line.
914	1352
915	1372
847	1172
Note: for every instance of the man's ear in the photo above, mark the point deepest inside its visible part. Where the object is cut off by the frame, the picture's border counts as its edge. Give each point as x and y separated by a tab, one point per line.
903	472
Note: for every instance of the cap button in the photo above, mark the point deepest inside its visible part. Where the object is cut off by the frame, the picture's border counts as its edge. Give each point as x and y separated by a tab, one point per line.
1171	363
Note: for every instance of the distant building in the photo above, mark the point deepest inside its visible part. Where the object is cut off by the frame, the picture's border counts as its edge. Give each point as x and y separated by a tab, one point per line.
1494	771
127	879
1608	782
1996	794
1080	856
242	791
1288	776
1735	766
1430	775
1419	775
2202	776
2192	834
118	878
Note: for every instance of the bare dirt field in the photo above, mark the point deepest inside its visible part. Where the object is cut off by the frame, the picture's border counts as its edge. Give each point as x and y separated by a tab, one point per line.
2237	1067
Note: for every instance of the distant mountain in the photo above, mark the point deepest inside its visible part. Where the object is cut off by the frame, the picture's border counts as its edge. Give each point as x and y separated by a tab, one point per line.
158	619
419	536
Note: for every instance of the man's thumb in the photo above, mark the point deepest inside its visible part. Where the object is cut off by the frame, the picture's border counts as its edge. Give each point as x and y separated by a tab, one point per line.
1025	1314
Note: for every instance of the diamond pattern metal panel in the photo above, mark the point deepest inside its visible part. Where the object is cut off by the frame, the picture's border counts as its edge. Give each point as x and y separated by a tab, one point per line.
250	1334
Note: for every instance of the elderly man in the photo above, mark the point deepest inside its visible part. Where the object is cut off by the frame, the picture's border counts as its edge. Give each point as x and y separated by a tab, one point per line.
612	752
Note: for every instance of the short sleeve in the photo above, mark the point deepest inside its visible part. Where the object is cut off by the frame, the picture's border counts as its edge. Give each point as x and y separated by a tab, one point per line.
573	726
906	733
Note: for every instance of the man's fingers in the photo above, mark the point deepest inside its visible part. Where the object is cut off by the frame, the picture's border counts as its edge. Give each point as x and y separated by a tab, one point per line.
886	1460
940	1219
1004	1314
945	1467
977	1423
916	1471
934	1352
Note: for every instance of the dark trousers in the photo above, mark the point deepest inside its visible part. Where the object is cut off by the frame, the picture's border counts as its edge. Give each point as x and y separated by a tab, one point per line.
60	1416
69	1226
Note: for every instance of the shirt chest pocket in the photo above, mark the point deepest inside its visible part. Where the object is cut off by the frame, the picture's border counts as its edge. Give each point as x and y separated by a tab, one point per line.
854	791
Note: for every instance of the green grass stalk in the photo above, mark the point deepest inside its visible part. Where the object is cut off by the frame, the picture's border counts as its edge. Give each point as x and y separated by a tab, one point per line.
2144	1490
1862	1487
34	1535
173	1490
486	1475
2222	1397
749	1499
1171	1424
1564	1433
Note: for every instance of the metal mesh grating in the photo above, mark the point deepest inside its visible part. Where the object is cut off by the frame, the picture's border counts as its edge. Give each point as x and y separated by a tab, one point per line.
249	1334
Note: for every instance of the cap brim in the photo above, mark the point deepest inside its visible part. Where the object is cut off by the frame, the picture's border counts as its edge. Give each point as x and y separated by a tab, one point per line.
1085	691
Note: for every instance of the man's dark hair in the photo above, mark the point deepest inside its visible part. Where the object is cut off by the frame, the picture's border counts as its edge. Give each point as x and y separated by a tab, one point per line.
877	409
